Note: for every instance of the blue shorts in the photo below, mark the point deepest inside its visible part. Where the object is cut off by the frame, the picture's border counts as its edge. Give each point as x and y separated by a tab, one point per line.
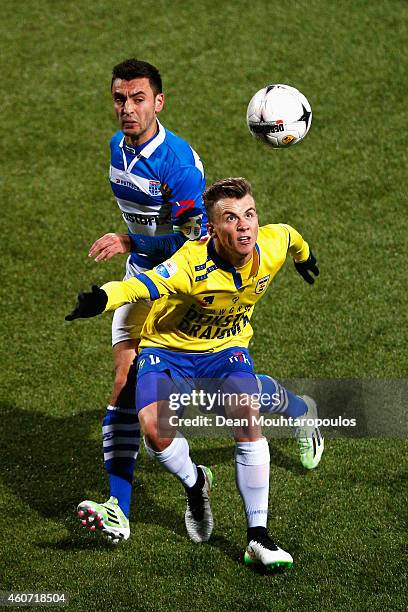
162	372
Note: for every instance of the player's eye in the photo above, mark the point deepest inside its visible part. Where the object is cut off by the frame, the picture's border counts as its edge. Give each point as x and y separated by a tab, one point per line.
231	218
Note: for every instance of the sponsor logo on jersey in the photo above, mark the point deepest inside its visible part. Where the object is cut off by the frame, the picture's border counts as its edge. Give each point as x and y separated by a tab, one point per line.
130	180
207	326
166	269
128	184
238	356
207	300
261	284
147	219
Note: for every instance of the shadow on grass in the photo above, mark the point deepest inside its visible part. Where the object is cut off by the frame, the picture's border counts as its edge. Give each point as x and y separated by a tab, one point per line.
288	460
51	463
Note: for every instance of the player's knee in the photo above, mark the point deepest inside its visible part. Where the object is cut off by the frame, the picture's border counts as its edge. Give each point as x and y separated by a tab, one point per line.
156	438
148	423
155	444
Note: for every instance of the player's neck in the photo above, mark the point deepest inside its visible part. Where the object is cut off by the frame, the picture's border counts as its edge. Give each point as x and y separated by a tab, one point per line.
236	260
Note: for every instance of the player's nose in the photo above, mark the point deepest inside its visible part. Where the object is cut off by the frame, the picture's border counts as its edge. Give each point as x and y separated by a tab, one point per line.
127	106
243	225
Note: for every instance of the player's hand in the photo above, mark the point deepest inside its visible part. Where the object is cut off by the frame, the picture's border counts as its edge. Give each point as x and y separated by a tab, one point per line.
308	266
110	245
89	304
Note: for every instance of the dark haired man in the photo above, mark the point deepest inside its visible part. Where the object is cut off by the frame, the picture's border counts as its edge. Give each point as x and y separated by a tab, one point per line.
199	327
158	181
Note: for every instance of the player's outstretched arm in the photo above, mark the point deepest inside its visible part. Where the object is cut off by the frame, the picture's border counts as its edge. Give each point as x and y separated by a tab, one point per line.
303	258
89	304
304	267
159	247
110	245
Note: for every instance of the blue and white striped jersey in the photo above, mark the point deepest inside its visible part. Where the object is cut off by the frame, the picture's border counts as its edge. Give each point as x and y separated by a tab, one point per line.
158	186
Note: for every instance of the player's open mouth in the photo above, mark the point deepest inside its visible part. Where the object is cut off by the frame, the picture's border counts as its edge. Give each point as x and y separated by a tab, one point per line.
244	240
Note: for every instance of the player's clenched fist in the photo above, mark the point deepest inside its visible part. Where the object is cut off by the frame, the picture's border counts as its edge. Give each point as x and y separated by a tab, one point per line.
89	304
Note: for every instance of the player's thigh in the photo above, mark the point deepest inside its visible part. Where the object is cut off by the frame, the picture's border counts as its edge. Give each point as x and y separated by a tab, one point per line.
124	354
167	365
161	381
157	418
237	390
231	370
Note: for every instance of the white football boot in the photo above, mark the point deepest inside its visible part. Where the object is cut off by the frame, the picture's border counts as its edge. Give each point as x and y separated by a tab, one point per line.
261	550
309	438
198	517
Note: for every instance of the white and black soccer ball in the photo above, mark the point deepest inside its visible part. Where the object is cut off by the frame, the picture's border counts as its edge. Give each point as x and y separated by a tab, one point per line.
279	115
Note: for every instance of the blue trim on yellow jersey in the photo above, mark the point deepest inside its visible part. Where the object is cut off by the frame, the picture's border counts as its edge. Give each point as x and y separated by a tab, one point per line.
153	291
259	252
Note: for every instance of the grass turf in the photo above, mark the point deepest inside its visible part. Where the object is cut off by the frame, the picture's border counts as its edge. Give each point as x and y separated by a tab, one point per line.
344	187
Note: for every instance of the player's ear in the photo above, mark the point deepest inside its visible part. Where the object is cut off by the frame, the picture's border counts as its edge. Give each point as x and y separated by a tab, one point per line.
159	102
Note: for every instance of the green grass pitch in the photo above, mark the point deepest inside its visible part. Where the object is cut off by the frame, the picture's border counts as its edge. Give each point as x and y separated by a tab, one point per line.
344	188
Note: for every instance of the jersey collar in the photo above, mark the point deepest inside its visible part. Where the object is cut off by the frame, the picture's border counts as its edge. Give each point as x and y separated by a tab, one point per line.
152	144
227	267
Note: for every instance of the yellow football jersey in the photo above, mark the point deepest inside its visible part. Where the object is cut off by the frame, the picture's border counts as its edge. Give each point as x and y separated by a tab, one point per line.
202	303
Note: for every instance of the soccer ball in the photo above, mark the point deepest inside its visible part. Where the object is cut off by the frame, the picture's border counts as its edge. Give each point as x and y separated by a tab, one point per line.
279	115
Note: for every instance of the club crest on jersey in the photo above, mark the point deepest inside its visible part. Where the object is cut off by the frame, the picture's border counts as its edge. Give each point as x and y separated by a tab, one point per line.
166	269
262	283
154	188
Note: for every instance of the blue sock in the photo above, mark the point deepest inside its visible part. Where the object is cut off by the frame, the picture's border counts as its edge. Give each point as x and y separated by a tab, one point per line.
121	440
277	399
122	490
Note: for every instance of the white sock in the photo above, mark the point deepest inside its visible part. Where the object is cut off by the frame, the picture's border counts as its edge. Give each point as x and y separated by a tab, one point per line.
252	476
176	459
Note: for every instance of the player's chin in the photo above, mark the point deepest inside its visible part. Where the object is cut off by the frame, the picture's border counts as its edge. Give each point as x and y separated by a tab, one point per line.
131	129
